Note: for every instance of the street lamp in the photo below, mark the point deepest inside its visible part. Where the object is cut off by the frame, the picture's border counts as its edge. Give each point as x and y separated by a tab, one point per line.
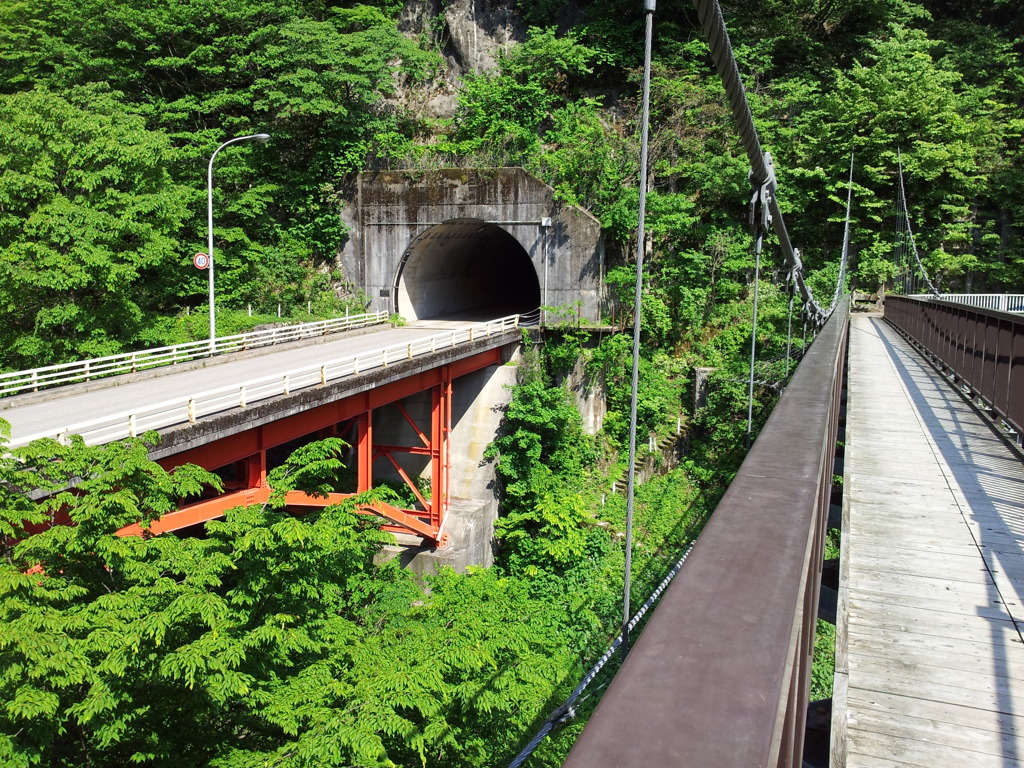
262	138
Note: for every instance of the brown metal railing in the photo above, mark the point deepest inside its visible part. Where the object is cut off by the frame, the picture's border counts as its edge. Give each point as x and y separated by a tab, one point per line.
982	349
720	675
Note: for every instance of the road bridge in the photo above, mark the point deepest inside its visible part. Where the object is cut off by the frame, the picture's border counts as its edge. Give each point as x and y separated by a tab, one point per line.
416	403
449	250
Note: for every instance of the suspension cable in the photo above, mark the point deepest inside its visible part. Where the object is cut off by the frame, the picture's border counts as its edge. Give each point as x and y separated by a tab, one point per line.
758	242
567	710
909	234
845	258
762	171
649	6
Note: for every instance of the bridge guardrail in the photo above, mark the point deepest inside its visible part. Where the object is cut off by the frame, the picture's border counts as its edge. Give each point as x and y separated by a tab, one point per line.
132	362
1001	302
981	349
189	409
721	674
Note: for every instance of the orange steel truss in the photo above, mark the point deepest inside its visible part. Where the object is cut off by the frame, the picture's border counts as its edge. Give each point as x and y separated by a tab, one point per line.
247	450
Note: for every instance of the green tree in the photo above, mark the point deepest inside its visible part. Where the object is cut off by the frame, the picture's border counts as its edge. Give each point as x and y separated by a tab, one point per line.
272	639
314	77
88	214
504	114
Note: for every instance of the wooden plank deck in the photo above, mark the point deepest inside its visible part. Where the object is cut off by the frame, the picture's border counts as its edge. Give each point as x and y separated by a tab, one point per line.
930	656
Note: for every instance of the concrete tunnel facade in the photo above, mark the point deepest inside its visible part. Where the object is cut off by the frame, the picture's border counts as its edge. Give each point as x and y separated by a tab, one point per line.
465	269
458	244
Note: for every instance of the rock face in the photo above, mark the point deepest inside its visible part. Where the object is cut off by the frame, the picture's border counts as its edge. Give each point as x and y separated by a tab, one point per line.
478	31
470	34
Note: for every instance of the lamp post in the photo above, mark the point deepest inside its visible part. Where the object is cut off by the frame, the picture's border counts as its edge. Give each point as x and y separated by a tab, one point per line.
262	138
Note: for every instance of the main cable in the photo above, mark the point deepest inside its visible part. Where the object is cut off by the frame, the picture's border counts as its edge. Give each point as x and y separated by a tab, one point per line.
762	169
909	234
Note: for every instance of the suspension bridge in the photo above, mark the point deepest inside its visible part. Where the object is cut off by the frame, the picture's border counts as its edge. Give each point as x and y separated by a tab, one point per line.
901	429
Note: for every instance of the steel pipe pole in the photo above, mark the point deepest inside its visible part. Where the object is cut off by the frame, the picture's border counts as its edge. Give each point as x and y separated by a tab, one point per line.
640	237
262	138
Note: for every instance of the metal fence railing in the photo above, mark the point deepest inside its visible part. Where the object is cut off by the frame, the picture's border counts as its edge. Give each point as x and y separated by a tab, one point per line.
1001	302
184	409
721	674
981	349
132	362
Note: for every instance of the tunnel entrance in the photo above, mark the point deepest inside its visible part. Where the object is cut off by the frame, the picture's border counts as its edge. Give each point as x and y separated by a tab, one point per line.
465	269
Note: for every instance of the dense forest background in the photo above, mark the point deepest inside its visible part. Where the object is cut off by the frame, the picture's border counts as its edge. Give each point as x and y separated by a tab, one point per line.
276	640
111	111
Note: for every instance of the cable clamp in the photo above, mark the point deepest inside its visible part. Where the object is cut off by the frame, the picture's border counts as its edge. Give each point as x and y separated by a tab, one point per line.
562	714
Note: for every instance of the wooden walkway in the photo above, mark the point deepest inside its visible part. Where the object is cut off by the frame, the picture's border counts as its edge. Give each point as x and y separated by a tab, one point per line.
930	657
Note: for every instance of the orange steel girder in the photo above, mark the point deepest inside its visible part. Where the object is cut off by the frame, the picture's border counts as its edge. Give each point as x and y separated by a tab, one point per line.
251	447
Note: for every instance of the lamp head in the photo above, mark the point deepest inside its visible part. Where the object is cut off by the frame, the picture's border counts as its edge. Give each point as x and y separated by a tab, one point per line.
262	138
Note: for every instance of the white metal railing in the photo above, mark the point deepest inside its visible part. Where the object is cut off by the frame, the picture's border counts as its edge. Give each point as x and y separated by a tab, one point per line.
131	362
1003	302
188	409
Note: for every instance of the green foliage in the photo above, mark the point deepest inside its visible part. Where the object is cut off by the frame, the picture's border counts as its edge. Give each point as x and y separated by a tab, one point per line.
88	211
103	194
823	666
659	387
832	544
541	440
161	650
502	115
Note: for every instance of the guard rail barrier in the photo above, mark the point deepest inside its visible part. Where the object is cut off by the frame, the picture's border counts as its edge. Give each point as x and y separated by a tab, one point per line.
1001	302
721	674
132	362
189	409
981	349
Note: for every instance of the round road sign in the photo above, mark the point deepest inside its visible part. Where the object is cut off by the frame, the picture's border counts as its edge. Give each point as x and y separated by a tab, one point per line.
201	260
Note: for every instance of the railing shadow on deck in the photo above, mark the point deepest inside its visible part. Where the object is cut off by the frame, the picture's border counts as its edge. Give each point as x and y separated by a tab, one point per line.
996	503
720	675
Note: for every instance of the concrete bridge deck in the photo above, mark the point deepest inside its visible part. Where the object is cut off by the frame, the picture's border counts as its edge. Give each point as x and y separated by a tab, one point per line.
68	408
930	656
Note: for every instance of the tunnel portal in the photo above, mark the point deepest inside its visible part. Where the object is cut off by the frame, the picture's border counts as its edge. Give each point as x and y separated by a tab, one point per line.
465	269
468	243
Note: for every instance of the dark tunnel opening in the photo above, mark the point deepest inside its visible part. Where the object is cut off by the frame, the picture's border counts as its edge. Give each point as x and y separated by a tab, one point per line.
466	269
